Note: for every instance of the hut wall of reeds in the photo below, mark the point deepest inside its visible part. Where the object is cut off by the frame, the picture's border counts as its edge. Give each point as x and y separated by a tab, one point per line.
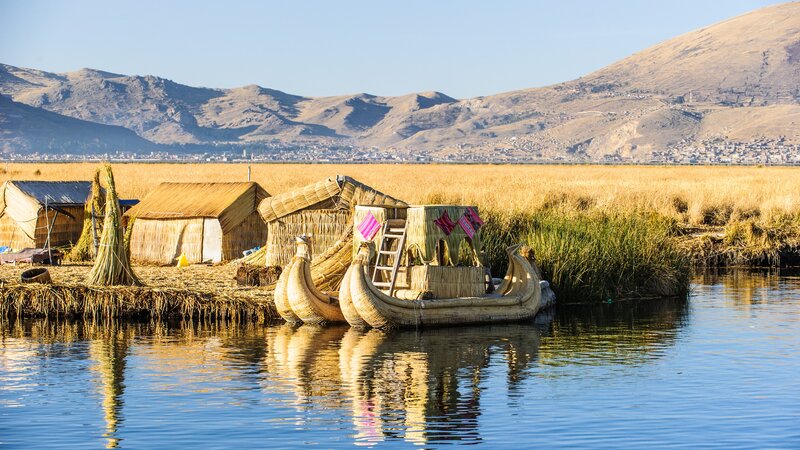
423	236
448	282
323	210
204	221
325	226
29	208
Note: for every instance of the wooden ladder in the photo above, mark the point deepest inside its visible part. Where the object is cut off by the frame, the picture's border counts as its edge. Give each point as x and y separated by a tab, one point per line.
394	230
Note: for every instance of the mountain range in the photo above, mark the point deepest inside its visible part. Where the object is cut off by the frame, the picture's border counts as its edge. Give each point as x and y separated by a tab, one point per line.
733	83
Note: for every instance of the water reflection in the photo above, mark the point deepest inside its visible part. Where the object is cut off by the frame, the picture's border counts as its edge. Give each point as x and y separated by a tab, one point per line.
108	349
625	333
306	359
425	386
748	287
420	386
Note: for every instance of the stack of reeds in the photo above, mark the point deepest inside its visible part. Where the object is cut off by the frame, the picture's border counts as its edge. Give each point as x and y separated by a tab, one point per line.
84	249
256	275
328	269
112	266
257	258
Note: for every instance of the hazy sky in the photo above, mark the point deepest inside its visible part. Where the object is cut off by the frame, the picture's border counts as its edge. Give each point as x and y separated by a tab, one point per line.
462	48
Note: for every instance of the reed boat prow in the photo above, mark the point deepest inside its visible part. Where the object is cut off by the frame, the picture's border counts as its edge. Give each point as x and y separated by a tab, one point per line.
517	298
282	300
307	303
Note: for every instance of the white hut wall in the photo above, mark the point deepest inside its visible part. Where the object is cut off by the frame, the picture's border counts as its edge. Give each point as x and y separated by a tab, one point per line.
161	241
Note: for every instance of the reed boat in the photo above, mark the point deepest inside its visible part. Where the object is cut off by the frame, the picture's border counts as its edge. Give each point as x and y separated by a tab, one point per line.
282	300
297	297
517	298
349	310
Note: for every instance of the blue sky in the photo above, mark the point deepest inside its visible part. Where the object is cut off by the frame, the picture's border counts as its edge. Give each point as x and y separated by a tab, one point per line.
462	48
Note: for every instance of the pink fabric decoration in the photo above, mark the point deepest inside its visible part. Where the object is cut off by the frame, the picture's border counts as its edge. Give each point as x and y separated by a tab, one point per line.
466	225
369	227
445	223
474	218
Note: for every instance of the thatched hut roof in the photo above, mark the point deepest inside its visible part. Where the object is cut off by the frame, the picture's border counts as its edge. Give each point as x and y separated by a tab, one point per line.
55	193
231	203
338	192
21	209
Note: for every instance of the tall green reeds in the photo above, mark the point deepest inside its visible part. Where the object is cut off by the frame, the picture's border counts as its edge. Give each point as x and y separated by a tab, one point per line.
594	256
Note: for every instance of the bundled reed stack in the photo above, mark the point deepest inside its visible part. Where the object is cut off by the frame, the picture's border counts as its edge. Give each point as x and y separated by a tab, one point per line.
112	266
84	249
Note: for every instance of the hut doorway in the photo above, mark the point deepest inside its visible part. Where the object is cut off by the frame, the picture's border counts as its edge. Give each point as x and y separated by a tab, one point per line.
212	241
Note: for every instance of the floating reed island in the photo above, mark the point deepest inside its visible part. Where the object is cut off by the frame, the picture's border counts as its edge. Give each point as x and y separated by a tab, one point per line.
198	291
113	287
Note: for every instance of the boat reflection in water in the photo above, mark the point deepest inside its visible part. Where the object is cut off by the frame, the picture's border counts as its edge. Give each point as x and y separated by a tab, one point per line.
426	386
422	386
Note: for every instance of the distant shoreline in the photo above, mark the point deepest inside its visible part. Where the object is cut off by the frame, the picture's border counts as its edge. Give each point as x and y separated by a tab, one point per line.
396	163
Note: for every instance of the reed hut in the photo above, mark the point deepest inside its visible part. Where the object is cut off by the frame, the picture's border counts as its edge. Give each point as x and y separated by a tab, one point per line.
30	211
206	222
433	264
323	210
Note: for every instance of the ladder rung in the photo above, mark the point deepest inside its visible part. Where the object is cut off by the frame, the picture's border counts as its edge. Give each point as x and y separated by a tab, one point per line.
381	283
387	252
392	236
383	267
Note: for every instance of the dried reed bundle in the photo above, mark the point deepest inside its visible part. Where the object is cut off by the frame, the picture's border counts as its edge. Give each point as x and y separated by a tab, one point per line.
112	266
84	249
256	275
328	268
257	258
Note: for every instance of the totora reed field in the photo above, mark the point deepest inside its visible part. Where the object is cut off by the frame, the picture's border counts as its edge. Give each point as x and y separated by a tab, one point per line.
598	232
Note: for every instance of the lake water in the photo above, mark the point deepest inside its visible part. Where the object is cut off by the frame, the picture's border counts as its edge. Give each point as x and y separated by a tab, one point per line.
721	369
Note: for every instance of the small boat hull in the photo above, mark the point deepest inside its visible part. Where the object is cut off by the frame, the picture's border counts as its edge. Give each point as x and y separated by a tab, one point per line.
517	298
297	297
349	310
282	300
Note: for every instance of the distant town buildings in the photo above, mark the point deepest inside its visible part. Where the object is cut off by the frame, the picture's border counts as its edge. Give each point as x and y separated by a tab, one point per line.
713	151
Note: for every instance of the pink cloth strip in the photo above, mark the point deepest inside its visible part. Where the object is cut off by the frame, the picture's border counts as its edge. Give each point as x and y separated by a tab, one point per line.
476	220
445	223
466	225
369	227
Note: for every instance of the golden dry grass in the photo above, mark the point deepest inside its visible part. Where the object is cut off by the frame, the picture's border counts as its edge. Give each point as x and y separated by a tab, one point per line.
693	195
